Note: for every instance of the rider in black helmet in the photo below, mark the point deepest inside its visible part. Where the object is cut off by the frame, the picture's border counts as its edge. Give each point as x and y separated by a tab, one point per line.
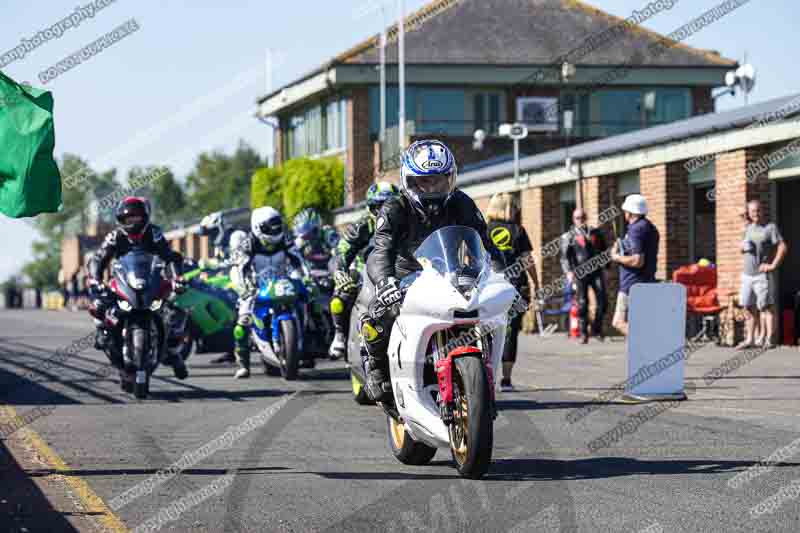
134	230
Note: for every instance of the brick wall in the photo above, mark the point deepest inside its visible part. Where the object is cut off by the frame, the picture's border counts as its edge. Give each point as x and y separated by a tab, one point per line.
359	161
666	188
600	193
732	194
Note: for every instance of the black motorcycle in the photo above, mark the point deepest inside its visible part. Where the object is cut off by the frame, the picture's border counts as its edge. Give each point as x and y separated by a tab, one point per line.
138	340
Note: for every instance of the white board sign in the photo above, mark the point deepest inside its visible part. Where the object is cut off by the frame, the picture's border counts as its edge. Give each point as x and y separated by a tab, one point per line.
656	340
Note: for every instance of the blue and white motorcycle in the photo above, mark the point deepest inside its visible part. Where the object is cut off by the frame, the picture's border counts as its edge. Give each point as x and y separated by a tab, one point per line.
279	319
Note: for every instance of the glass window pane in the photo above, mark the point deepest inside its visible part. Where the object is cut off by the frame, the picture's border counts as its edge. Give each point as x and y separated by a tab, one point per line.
442	111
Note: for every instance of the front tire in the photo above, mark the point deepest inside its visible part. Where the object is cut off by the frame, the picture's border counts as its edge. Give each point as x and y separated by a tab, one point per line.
290	355
140	345
471	431
404	448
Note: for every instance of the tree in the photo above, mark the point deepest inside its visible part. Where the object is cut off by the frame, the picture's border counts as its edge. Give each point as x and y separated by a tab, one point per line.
42	272
317	183
266	188
165	193
219	181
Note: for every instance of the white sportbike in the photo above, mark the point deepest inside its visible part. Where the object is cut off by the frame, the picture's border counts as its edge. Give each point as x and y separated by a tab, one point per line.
444	351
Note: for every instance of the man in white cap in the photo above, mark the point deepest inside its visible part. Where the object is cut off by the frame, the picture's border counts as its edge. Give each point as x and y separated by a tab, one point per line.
636	255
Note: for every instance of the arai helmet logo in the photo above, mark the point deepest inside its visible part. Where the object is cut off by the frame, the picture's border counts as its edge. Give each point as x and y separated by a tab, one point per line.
431	163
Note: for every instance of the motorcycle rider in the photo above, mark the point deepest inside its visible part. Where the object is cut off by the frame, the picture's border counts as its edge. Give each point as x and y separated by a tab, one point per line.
134	231
213	225
265	251
355	238
313	240
429	201
578	246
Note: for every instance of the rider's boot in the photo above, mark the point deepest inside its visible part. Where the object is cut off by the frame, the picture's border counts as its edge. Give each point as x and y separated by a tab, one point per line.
379	387
179	367
242	351
338	346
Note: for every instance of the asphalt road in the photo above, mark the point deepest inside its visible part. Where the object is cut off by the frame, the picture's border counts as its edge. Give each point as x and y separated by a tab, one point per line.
313	460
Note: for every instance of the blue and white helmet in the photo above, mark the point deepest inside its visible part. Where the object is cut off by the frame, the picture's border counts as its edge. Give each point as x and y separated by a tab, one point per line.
428	175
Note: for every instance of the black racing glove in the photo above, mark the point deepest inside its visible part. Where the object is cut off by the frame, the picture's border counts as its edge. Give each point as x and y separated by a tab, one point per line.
388	293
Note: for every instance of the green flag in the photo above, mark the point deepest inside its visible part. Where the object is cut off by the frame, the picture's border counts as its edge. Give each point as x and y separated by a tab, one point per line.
29	179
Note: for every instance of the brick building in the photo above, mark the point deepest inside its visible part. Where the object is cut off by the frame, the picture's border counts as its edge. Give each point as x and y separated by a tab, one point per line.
473	64
697	175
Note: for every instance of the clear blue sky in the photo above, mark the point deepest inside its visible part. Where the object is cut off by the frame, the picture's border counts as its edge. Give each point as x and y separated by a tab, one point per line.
127	101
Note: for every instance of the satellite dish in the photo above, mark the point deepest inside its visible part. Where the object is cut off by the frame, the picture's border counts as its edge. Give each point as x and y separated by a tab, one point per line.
730	78
747	77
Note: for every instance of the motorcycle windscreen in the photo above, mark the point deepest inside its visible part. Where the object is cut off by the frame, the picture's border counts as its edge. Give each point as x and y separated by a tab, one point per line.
455	252
140	271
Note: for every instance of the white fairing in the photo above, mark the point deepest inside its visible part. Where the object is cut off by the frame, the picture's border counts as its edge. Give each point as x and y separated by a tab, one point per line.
428	307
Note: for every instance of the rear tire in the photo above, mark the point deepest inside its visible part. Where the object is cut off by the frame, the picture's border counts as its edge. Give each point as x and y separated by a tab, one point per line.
404	448
471	436
290	354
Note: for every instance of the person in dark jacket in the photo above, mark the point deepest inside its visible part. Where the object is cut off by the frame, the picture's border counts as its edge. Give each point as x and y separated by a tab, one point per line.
579	246
429	201
134	231
511	239
355	240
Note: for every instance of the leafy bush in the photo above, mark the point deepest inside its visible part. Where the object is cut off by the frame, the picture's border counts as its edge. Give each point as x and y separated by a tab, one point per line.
266	188
317	183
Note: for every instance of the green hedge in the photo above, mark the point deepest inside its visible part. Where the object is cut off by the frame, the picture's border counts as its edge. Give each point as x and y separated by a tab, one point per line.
298	184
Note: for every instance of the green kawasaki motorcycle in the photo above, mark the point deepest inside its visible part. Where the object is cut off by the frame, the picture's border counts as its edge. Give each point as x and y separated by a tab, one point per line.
204	315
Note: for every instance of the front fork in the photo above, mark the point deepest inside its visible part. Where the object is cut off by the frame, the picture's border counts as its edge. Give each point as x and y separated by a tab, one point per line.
444	376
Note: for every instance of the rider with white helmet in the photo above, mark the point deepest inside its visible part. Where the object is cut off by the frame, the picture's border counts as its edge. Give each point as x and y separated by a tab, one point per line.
429	201
263	252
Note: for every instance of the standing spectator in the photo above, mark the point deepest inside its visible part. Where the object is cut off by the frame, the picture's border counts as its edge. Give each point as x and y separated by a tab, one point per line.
636	255
578	246
62	284
764	250
74	291
512	240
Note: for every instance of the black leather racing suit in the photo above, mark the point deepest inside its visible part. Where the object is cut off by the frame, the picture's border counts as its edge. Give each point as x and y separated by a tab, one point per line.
399	230
355	239
579	246
116	244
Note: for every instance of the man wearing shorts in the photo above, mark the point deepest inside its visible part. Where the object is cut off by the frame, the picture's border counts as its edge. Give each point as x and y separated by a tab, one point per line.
764	250
636	255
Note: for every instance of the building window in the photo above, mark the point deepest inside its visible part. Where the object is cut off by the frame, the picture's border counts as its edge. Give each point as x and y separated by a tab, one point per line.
614	111
627	183
487	112
702	214
316	130
567	204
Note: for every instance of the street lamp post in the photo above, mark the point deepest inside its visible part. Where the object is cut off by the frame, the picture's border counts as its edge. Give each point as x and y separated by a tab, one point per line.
516	132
